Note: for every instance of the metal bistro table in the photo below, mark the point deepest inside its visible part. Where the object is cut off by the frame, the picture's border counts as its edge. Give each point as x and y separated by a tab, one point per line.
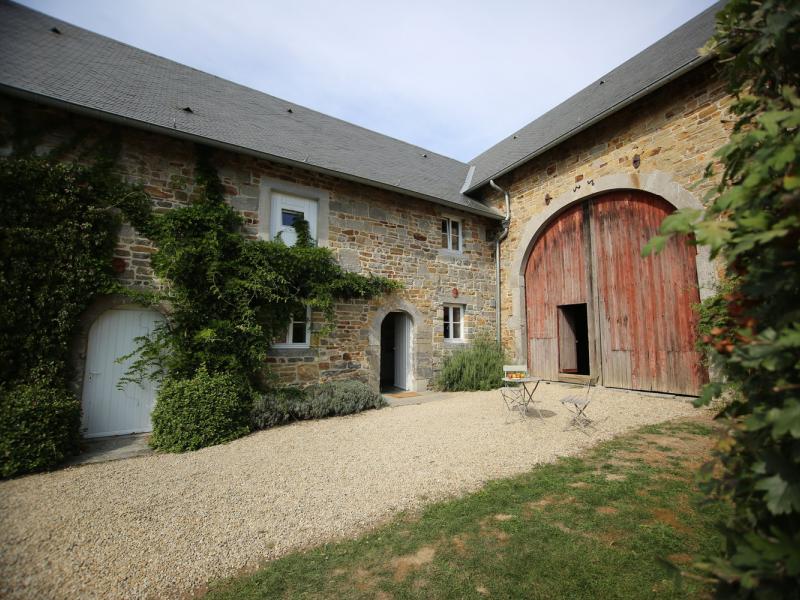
518	398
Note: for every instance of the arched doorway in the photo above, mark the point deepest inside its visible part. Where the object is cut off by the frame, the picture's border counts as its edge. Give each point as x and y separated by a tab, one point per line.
595	306
395	351
107	409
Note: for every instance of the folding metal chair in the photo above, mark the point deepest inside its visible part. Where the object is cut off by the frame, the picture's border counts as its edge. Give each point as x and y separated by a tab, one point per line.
577	405
514	392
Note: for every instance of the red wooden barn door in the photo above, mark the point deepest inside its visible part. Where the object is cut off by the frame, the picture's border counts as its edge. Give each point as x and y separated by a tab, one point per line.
556	274
641	326
647	327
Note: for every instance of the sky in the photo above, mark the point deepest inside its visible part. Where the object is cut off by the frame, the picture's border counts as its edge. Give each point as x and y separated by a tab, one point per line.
454	77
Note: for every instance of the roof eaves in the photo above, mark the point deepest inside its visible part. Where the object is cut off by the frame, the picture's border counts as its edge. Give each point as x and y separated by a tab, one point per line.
469	204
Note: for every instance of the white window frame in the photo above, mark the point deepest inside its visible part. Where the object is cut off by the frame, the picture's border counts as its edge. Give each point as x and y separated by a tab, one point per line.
269	214
450	221
289	343
448	322
281	201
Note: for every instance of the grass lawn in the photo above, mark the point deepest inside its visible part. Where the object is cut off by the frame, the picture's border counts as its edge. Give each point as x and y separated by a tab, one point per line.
622	521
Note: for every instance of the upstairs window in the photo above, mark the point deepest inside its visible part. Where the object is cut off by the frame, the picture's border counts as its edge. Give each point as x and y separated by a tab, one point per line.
453	322
286	209
451	235
298	333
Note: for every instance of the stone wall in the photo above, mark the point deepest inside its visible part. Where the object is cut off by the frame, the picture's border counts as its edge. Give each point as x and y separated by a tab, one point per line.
370	230
674	131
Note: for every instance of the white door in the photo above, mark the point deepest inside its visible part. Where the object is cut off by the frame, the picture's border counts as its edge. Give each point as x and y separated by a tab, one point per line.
402	350
108	410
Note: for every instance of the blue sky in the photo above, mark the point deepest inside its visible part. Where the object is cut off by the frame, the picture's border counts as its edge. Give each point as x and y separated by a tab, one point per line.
451	76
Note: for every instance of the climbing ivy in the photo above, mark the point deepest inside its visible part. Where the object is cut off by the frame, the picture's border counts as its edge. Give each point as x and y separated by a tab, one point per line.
752	224
58	229
230	296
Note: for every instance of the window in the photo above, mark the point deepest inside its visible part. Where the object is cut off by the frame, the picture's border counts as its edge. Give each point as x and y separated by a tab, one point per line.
298	333
453	322
451	234
286	209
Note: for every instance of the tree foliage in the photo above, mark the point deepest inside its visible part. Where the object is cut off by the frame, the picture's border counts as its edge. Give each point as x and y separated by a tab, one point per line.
752	223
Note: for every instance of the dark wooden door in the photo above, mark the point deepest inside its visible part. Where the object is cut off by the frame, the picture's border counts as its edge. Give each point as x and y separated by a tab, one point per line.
567	343
642	327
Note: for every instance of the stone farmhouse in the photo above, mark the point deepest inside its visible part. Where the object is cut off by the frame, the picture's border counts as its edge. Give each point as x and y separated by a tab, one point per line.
537	240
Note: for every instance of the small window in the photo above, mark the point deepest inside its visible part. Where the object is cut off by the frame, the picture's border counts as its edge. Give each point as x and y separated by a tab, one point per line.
299	330
451	234
453	322
286	209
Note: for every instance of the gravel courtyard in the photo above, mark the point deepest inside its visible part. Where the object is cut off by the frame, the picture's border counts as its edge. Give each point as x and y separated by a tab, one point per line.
163	525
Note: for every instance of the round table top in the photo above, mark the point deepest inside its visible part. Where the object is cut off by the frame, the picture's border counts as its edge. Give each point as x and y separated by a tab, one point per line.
528	379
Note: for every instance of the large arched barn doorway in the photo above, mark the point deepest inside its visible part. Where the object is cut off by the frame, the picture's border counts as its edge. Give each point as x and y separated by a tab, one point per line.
595	306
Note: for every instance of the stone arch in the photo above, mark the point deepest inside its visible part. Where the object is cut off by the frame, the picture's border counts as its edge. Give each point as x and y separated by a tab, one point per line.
420	351
656	182
80	342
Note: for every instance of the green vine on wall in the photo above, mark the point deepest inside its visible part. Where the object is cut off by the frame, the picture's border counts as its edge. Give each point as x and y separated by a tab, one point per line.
58	229
230	296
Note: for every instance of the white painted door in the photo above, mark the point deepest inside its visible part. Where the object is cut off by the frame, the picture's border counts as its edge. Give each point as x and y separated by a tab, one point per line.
402	350
108	410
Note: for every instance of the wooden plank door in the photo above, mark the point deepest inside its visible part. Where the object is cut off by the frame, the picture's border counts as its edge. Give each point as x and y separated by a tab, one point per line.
647	327
556	273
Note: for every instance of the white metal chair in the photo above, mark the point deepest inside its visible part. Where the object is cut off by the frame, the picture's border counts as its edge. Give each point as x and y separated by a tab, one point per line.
577	405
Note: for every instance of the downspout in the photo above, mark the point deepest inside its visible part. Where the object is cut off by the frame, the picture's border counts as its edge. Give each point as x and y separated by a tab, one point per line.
500	237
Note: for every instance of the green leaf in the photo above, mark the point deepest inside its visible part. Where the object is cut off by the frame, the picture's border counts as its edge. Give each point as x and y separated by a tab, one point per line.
781	496
655	245
791	182
714	234
785	420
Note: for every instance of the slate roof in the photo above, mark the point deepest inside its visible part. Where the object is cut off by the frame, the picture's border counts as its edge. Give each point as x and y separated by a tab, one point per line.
672	55
83	69
87	72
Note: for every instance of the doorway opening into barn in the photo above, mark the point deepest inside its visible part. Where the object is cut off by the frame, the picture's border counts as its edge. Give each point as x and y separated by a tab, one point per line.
573	339
395	352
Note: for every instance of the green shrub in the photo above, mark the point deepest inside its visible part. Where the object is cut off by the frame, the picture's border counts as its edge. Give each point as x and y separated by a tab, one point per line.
39	425
207	409
277	407
340	398
333	398
478	366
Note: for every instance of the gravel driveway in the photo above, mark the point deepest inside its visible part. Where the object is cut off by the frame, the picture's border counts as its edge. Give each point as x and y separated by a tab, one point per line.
162	525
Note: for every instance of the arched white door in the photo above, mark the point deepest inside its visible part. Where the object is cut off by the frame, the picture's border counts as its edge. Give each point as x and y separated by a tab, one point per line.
108	410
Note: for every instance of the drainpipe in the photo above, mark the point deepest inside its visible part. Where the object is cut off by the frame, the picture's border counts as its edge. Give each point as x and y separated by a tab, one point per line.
500	237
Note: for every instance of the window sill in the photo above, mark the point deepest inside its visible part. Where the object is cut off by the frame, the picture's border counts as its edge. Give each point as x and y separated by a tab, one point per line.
290	350
452	342
453	253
